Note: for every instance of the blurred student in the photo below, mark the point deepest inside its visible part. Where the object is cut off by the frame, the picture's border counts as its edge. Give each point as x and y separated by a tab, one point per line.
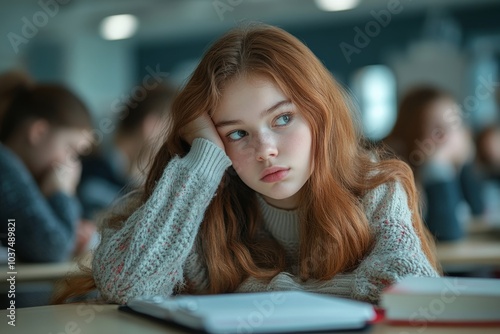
488	158
120	167
488	151
41	134
432	137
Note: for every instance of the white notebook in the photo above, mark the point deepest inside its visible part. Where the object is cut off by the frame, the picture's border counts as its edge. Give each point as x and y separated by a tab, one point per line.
263	312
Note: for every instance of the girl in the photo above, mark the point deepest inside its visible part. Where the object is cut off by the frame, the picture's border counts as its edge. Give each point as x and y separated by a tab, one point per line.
432	137
263	185
41	133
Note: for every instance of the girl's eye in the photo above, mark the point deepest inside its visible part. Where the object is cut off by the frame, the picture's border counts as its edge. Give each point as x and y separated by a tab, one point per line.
237	135
283	120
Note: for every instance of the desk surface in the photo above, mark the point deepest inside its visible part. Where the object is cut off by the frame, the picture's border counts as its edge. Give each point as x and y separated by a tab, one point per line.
92	318
470	252
39	271
29	272
480	247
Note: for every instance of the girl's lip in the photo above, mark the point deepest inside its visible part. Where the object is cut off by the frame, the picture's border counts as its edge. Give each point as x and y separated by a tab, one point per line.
274	174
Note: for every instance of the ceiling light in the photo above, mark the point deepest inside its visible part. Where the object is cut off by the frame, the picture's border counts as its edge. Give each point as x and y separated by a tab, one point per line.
119	26
336	5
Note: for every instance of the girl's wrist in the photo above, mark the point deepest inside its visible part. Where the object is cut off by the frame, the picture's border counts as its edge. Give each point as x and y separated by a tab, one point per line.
214	138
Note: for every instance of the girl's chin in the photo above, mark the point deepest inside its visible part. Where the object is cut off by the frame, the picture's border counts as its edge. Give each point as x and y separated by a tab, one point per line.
282	202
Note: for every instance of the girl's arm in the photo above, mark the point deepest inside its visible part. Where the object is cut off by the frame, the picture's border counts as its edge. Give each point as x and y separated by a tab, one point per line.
396	252
147	254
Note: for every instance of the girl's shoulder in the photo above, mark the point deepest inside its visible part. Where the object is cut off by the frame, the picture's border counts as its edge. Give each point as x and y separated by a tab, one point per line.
7	157
12	169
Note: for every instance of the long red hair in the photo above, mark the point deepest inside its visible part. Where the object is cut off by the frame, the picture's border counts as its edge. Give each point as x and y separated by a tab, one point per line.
335	233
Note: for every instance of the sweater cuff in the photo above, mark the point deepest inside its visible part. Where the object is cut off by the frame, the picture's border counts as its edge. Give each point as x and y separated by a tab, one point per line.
341	285
207	159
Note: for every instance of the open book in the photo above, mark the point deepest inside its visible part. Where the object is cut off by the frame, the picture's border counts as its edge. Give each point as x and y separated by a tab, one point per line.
263	312
442	300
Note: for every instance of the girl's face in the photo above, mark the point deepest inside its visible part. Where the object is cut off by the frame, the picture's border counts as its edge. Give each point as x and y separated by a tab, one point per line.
58	147
266	138
440	119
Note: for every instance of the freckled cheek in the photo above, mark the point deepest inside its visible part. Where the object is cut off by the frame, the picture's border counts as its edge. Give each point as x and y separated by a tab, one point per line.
299	140
240	159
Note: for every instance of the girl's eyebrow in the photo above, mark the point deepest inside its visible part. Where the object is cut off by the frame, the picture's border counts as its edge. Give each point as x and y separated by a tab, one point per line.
262	114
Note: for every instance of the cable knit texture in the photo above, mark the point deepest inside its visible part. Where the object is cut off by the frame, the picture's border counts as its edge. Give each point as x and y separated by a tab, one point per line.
158	247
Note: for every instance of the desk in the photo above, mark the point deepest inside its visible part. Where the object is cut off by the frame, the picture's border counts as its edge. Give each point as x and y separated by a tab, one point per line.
92	318
28	272
34	282
481	248
44	272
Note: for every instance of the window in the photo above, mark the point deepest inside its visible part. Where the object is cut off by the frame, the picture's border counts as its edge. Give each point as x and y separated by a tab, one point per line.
375	88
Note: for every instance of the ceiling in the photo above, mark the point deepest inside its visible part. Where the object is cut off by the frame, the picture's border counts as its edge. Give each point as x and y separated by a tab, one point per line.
170	19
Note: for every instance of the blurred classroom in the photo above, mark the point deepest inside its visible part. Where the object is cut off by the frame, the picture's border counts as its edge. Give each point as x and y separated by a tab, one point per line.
387	45
109	52
390	45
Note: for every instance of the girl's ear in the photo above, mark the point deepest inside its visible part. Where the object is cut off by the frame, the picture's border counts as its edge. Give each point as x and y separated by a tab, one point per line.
38	131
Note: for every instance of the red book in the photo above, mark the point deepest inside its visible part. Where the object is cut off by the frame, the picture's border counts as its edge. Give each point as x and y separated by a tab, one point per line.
443	300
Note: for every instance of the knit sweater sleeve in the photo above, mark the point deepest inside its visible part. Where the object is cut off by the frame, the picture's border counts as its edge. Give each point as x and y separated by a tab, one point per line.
44	227
147	255
396	252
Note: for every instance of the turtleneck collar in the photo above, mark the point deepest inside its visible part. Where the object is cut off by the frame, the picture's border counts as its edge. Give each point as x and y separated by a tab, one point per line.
282	224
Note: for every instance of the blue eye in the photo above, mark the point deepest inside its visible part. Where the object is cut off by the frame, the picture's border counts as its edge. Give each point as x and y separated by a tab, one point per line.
283	120
237	135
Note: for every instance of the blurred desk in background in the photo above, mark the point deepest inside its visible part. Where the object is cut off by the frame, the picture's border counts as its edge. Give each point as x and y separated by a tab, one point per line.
34	282
480	248
470	251
39	272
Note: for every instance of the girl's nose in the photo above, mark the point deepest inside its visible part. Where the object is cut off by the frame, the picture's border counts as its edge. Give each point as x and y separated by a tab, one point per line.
265	147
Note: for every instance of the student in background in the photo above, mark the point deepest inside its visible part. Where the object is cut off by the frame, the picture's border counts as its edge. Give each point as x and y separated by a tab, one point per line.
488	156
262	185
120	167
488	151
431	136
41	133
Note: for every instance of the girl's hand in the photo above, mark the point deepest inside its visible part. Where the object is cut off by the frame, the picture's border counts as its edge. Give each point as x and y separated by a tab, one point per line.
202	127
62	177
84	233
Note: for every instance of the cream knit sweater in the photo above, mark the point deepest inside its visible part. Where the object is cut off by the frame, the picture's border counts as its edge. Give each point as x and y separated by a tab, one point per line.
156	248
